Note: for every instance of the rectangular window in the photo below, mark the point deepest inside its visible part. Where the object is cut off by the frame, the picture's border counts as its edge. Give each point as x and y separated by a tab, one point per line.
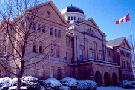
95	50
59	34
122	53
39	27
55	32
91	55
100	55
81	53
51	31
40	49
43	28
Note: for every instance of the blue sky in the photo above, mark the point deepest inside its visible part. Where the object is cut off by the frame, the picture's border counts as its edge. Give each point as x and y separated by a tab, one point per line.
105	13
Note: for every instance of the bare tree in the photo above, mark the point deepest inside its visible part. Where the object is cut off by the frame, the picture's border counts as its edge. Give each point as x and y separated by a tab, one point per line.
19	35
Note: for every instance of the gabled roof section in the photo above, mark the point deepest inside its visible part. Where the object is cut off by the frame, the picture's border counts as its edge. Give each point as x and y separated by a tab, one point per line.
115	42
58	12
54	8
92	23
4	23
52	5
118	42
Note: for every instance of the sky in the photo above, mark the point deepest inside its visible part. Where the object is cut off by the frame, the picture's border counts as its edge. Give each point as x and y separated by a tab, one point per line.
105	13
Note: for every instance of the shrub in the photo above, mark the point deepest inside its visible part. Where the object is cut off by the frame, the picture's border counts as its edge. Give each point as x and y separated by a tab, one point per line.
68	81
51	84
86	85
127	84
4	83
30	82
13	82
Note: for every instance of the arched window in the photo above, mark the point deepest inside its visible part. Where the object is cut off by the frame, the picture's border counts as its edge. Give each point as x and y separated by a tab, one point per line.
71	17
68	17
40	49
34	48
74	18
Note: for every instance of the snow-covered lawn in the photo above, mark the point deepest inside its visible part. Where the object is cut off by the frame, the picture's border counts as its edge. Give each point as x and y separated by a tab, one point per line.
112	88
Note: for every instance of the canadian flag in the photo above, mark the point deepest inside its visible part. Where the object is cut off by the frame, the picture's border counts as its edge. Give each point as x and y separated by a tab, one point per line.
124	19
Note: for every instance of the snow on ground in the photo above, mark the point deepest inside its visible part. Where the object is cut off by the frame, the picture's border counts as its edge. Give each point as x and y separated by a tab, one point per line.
112	88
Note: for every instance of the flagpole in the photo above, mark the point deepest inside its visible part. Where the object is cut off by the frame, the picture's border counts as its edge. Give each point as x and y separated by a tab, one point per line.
132	36
132	44
131	33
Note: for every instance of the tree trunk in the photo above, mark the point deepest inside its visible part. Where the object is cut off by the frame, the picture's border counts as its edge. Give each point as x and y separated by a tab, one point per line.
18	83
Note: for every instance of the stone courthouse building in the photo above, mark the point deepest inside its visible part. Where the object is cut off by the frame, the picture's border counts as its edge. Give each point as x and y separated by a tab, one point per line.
67	44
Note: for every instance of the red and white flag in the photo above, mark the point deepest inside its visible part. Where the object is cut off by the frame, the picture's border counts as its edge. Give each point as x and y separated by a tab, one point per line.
124	19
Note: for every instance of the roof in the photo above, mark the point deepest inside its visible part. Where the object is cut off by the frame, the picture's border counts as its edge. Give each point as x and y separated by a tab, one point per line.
41	5
74	9
115	42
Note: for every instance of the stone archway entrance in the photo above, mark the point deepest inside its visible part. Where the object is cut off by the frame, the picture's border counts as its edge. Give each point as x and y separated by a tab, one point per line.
107	80
59	74
114	79
98	78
